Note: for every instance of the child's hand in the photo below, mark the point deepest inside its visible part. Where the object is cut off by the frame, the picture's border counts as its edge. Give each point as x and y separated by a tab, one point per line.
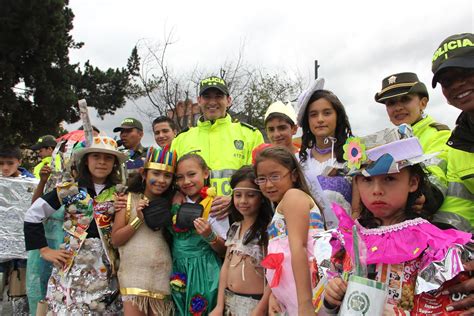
178	198
120	202
259	310
419	203
274	306
44	173
141	205
335	291
57	257
203	227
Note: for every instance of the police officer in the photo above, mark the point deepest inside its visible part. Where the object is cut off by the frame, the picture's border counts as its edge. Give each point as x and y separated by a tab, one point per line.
225	145
405	99
453	68
45	146
131	133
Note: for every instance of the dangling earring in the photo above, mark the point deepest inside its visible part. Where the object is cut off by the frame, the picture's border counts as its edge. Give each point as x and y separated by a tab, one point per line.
423	114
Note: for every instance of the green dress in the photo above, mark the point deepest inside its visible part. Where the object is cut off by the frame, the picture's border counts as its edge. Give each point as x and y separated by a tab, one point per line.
194	257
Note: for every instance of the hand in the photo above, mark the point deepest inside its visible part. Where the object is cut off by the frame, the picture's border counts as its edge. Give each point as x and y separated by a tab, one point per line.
335	291
259	310
220	207
57	257
465	287
120	202
203	227
44	173
178	198
274	306
217	311
419	203
141	205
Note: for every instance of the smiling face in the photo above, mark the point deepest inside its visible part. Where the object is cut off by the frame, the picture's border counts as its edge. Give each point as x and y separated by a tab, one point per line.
157	182
214	104
458	87
100	166
164	134
385	196
322	118
280	132
407	108
190	178
246	199
283	179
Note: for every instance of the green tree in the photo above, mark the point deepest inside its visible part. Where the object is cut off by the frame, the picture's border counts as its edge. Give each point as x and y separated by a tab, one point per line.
39	87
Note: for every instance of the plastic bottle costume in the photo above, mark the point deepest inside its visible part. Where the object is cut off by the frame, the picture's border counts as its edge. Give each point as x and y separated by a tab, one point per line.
86	284
144	279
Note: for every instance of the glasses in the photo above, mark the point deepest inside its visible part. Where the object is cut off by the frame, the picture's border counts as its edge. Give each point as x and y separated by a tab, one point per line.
273	178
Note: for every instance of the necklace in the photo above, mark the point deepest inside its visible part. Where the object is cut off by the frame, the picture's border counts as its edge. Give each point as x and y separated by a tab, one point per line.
322	151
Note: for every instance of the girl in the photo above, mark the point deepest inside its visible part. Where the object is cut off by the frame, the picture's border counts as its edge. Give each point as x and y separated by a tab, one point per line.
241	282
397	239
144	279
195	251
83	279
325	129
297	218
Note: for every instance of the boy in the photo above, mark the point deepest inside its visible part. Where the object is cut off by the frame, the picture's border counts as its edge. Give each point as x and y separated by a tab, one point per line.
10	161
44	147
280	125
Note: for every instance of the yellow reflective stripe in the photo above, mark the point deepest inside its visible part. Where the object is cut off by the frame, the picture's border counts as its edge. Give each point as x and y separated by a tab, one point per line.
456	189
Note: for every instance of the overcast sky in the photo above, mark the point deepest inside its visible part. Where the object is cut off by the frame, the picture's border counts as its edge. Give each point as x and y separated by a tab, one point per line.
357	43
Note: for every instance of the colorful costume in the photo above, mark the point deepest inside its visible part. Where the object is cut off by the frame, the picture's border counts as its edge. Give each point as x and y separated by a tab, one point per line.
196	268
279	269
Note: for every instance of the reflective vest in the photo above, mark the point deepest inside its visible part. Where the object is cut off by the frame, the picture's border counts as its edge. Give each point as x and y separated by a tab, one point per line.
225	146
433	137
46	160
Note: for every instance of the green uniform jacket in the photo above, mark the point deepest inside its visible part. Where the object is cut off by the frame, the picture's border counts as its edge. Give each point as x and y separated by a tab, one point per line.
460	173
433	137
225	146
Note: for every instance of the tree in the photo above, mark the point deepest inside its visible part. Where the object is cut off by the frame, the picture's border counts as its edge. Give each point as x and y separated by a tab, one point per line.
39	87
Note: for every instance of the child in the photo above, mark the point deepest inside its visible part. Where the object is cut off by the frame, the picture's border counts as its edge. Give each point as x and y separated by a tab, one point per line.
83	279
241	282
297	217
400	243
10	161
280	125
195	251
144	279
164	130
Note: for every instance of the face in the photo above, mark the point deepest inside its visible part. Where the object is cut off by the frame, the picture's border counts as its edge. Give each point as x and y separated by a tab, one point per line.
190	178
386	196
164	134
157	181
283	179
246	200
405	109
322	118
131	137
45	152
100	166
9	166
280	132
458	87
214	104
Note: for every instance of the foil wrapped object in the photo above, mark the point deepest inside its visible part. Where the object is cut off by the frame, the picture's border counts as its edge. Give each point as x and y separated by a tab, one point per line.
15	199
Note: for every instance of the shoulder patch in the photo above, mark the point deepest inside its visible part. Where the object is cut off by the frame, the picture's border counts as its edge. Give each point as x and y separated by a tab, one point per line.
253	128
440	127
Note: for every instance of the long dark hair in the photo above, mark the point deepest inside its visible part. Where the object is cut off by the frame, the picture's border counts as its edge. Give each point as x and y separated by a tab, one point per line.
85	177
368	220
343	127
265	213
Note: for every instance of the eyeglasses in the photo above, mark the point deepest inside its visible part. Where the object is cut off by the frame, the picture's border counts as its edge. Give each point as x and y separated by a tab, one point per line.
273	178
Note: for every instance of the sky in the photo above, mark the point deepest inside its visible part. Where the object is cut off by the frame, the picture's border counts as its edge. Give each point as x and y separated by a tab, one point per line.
357	44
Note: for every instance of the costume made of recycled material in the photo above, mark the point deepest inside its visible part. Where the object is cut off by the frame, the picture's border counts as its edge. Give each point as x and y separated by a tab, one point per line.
145	267
279	271
196	269
225	146
241	304
410	257
87	284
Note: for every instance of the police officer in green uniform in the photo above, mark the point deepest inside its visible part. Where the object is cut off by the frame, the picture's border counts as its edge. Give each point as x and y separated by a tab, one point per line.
405	99
453	68
224	144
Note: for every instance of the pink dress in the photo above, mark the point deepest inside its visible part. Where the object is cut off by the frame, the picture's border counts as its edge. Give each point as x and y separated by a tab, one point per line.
279	271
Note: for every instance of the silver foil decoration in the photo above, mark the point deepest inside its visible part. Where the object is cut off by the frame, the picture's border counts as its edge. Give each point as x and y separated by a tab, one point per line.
15	199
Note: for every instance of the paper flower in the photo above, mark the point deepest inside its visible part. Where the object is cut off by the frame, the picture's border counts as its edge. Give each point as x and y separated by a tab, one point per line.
354	152
178	282
198	305
211	192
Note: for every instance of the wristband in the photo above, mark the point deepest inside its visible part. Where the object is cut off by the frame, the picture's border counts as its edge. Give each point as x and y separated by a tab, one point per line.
212	238
136	223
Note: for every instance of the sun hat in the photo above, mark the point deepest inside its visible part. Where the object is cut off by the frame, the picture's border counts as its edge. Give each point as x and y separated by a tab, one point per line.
304	97
281	108
400	84
101	144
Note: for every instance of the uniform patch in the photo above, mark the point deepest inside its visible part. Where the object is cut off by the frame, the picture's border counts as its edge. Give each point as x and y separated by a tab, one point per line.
239	144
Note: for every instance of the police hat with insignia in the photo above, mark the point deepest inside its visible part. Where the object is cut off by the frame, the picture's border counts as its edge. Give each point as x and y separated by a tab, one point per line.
455	51
44	142
213	82
129	123
400	84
